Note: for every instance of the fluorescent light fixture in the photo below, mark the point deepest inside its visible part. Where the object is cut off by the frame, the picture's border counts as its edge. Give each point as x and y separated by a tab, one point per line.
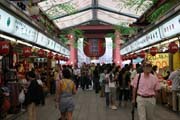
7	37
24	43
168	41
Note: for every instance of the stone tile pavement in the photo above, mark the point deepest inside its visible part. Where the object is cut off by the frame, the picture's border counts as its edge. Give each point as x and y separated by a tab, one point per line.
89	106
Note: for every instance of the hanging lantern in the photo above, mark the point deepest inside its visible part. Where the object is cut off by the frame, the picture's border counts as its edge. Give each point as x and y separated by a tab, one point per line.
173	47
50	55
57	57
134	56
27	51
4	47
142	54
153	51
41	53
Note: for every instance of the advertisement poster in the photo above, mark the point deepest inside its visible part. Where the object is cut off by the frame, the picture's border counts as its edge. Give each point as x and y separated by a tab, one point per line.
161	59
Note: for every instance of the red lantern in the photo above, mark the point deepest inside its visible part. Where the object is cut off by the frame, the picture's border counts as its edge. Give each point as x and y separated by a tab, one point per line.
153	51
94	48
27	51
4	47
142	54
41	53
134	56
50	55
57	57
173	47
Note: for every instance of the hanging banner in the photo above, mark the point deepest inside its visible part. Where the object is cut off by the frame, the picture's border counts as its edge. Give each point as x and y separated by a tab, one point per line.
161	59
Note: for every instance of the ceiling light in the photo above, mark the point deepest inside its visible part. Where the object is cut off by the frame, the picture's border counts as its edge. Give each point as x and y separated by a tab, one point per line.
7	37
24	43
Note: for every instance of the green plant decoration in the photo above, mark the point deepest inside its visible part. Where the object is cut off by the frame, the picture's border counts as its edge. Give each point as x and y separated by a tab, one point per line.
159	12
140	5
77	33
125	30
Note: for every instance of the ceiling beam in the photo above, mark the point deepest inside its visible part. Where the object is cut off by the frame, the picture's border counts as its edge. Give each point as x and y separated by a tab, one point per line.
119	13
95	27
101	8
102	35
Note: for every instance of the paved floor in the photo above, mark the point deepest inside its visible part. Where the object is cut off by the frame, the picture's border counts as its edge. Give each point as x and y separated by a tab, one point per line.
89	106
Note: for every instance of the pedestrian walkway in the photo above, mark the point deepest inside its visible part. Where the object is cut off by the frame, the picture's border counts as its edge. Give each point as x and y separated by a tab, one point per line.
89	106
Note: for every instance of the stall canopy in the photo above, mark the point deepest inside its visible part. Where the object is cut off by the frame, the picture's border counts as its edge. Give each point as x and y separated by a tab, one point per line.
69	13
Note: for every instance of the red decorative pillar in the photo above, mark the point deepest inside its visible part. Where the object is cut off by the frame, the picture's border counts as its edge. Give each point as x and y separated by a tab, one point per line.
116	49
73	51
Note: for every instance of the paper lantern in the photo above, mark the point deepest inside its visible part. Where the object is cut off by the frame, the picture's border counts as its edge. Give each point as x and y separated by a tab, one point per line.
4	47
57	57
50	55
27	51
173	47
153	51
41	53
94	48
142	54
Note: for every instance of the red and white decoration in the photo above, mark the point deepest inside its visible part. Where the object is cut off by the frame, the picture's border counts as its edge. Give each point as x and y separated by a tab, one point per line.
4	47
50	55
41	53
153	51
27	51
173	47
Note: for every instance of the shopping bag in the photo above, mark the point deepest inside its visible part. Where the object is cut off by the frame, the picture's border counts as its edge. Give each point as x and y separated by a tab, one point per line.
21	96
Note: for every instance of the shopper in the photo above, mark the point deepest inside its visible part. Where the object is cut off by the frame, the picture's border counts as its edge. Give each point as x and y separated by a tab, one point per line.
146	92
34	95
65	95
175	77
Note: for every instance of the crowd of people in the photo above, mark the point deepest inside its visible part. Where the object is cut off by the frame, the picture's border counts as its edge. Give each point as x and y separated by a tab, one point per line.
117	84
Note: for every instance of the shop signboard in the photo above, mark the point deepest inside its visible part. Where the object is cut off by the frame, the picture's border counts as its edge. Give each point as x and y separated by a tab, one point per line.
161	59
7	22
170	28
51	44
24	31
57	47
150	38
42	40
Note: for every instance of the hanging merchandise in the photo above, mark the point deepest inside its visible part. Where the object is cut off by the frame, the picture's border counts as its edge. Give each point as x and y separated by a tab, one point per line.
142	54
173	47
27	51
50	55
153	51
4	47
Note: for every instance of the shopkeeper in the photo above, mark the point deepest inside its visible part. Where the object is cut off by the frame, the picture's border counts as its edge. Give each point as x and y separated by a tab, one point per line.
175	77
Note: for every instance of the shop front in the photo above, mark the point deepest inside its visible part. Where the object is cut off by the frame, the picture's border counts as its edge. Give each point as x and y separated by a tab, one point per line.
22	48
161	46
